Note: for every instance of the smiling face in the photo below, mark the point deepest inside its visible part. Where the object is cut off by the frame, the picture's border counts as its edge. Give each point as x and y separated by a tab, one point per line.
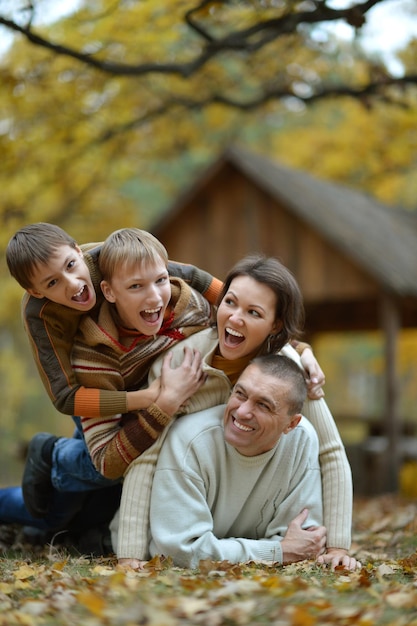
65	279
258	413
245	317
141	293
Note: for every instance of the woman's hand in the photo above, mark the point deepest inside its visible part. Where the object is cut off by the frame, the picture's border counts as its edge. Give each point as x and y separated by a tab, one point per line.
134	564
315	375
338	557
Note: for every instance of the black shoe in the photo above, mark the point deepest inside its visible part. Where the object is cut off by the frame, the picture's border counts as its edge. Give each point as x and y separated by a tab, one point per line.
95	542
8	534
36	482
35	536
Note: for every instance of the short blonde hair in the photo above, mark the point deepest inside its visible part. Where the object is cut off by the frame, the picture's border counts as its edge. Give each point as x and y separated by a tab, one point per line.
129	246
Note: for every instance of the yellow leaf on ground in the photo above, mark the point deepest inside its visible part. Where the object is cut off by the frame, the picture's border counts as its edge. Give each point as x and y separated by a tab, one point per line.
6	588
92	601
25	571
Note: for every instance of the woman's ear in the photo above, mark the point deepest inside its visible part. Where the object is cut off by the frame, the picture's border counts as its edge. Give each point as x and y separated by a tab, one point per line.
277	327
107	291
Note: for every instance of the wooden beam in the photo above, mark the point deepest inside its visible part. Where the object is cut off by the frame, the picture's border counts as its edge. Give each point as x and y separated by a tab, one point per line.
390	322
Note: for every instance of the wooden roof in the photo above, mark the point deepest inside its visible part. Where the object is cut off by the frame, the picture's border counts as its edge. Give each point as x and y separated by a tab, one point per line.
374	235
380	239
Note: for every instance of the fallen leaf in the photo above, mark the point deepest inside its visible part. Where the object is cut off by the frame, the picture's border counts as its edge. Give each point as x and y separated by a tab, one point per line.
92	601
402	599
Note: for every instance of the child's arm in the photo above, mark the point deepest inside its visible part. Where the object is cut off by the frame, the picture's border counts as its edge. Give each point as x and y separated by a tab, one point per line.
51	329
115	442
209	286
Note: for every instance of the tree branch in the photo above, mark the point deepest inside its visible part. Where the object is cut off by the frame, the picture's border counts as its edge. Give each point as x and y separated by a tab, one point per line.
360	93
249	39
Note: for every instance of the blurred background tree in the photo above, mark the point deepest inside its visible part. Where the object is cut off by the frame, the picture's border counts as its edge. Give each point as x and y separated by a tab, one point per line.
109	108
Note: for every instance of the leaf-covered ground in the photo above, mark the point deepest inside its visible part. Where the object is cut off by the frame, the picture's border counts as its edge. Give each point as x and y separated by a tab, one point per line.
51	587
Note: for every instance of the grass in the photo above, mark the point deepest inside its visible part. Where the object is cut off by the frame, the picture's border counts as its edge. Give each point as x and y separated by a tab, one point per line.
51	587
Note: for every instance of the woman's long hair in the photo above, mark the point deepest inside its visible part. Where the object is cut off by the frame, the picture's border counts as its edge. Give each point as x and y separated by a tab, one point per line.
289	309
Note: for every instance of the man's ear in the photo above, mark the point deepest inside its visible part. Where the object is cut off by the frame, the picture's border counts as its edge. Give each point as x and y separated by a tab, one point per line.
107	291
295	420
34	293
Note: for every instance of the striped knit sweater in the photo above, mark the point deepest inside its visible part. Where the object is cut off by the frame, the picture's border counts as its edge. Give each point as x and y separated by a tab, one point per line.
113	358
51	329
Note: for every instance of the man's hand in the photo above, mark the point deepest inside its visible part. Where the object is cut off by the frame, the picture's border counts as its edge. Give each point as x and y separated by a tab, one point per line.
338	557
316	378
299	544
178	384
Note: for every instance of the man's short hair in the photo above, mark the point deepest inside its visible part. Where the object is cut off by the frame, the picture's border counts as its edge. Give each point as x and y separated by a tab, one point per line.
287	370
34	245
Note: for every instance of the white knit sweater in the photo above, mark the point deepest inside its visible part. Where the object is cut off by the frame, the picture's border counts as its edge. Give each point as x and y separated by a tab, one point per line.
210	502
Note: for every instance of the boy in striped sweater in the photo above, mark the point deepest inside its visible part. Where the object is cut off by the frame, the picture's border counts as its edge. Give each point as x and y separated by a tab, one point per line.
145	312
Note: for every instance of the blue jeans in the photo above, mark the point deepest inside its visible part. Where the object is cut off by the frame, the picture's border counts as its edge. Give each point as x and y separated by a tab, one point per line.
72	467
72	510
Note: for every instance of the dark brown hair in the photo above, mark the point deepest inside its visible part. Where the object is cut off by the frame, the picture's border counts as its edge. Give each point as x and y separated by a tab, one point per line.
289	310
34	245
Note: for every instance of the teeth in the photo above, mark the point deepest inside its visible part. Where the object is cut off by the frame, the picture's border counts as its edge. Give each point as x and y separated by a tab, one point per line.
152	310
233	332
79	292
246	429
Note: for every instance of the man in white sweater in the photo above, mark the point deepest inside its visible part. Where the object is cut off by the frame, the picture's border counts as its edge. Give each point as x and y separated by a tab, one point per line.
241	481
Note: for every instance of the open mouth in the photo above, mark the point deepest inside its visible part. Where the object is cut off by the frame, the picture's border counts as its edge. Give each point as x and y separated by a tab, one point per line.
242	427
151	316
82	295
233	337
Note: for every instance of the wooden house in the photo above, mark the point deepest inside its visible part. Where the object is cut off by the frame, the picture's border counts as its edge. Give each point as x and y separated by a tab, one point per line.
355	259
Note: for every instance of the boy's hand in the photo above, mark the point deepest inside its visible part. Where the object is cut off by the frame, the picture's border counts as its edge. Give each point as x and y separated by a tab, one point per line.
179	384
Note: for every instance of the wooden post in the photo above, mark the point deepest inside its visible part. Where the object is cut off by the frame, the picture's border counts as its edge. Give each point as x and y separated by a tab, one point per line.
390	320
